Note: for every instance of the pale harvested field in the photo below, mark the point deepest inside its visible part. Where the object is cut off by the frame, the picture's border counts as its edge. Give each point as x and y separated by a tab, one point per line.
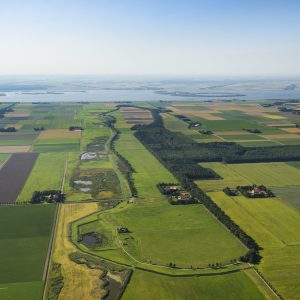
204	114
281	136
139	122
277	124
15	114
187	104
132	109
207	116
58	134
14	149
244	141
80	282
291	130
208	140
273	117
232	132
17	126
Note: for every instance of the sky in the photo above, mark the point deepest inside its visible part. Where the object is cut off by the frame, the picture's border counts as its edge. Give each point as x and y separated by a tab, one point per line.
150	37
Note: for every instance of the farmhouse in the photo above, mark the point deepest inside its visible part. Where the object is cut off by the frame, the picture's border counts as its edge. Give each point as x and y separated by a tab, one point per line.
256	191
184	196
169	189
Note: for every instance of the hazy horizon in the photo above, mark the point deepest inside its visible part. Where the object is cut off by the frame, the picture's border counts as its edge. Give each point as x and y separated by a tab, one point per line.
150	38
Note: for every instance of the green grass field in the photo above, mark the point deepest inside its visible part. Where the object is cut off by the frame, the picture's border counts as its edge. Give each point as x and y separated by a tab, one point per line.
24	237
289	195
67	147
47	174
144	285
189	233
149	171
269	174
276	228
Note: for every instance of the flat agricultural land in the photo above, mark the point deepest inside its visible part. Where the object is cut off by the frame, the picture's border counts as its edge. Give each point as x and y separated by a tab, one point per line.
47	174
80	282
149	171
269	174
17	114
65	147
24	238
190	233
14	149
8	137
144	285
13	175
134	115
276	228
59	134
289	195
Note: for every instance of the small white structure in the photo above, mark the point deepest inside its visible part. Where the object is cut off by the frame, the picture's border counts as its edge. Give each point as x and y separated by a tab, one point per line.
88	156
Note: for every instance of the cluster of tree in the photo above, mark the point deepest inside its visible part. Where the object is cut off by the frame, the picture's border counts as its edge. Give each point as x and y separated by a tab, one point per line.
169	189
230	192
251	256
183	118
254	191
39	129
252	130
72	128
205	131
50	196
194	124
124	166
288	110
180	155
5	110
109	121
176	201
56	281
8	129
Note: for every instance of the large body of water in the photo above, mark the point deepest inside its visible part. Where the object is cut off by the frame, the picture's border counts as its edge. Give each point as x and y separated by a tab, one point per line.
140	95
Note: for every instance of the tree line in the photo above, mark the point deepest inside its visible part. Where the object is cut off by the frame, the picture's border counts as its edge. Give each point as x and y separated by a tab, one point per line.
181	155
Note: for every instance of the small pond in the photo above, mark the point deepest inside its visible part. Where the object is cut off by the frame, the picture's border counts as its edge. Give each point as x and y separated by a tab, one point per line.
91	239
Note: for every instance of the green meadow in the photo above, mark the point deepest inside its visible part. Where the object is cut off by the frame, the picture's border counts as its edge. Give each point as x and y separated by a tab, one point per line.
46	174
276	228
270	174
24	237
235	286
148	170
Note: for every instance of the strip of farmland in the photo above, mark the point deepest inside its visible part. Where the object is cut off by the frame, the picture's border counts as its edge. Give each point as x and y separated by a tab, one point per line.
13	176
9	137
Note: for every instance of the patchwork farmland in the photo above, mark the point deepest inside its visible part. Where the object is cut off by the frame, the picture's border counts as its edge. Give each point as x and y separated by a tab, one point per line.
101	167
14	174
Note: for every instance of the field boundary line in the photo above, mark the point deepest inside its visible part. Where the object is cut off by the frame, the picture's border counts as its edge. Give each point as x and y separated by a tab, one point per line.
225	227
64	176
5	161
166	267
50	250
267	284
